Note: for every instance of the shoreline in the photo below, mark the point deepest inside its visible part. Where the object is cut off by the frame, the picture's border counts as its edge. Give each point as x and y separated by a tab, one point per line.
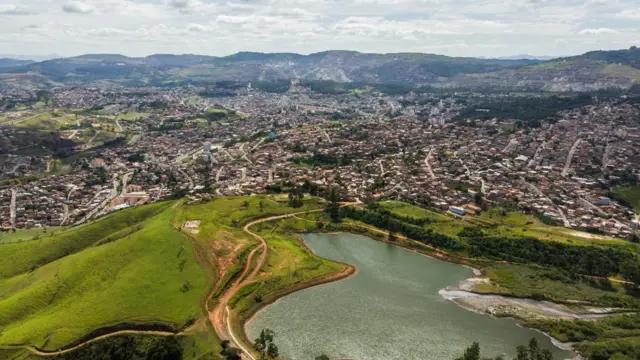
464	290
347	272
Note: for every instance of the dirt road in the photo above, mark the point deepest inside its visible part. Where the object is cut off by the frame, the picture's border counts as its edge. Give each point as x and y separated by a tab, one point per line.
38	352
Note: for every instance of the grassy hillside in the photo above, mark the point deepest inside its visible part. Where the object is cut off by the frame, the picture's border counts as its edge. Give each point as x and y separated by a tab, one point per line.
631	195
29	255
148	276
500	222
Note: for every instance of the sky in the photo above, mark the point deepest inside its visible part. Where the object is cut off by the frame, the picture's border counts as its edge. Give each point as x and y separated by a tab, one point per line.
488	28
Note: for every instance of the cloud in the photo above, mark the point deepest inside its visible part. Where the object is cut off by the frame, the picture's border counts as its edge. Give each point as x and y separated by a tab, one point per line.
452	27
190	6
630	13
15	10
199	28
77	7
598	31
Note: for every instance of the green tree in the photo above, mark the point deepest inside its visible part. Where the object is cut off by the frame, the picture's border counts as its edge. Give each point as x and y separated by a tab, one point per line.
471	353
522	353
630	271
322	357
333	207
265	345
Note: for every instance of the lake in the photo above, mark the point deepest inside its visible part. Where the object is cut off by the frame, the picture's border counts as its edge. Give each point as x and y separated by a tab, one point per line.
390	310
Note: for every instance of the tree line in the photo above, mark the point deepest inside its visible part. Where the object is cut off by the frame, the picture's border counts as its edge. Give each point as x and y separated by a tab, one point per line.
415	232
586	260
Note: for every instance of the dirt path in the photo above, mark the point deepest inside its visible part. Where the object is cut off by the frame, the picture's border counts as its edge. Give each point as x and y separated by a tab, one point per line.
44	353
219	316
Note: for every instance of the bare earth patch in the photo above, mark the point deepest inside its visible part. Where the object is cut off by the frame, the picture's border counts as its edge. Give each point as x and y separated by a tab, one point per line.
193	226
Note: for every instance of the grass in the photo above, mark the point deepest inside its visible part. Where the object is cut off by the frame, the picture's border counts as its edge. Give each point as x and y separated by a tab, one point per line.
201	343
288	263
27	256
28	234
631	194
529	281
500	222
140	278
131	115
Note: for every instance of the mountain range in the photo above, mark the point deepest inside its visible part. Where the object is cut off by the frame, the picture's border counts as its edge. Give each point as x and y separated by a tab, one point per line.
593	70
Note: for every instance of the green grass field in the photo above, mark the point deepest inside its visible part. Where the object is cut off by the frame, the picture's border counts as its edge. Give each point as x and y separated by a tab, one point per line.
543	283
500	222
631	194
28	234
26	256
151	275
131	115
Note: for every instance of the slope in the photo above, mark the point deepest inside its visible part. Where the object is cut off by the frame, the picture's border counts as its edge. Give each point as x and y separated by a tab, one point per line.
29	255
150	276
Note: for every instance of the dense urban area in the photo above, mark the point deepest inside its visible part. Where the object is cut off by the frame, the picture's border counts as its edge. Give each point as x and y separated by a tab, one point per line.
74	153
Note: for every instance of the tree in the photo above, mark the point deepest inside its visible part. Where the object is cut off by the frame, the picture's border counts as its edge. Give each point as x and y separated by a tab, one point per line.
522	353
630	271
534	350
322	357
472	352
265	345
333	207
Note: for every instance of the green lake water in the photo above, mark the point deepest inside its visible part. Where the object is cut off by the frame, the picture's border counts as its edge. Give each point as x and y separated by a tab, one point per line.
390	310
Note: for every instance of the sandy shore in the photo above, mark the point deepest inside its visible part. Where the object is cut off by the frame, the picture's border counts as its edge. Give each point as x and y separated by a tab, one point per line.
499	305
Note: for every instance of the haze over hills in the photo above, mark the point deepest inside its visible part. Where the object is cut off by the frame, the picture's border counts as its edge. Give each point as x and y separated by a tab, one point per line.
593	70
7	62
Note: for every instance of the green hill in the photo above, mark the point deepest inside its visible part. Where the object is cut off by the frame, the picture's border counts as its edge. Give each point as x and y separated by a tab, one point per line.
132	267
29	255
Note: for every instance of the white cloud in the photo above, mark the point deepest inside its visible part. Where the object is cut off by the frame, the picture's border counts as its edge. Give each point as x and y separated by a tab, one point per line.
15	10
77	7
220	27
598	31
630	13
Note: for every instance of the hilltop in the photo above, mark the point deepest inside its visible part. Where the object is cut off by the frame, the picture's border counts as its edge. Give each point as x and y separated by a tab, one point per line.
593	70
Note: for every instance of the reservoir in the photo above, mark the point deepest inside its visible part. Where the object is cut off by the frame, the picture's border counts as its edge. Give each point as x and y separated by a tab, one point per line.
390	310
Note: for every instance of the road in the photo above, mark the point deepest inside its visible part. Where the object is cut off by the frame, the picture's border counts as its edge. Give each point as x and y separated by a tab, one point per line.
512	145
428	165
191	184
220	314
91	140
605	156
565	221
125	180
535	157
12	208
218	173
102	205
118	125
466	168
244	154
134	139
324	132
258	144
37	352
66	214
567	165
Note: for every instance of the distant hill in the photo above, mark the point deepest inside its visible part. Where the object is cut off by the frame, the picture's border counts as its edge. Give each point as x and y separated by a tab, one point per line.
7	62
593	70
630	57
524	56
